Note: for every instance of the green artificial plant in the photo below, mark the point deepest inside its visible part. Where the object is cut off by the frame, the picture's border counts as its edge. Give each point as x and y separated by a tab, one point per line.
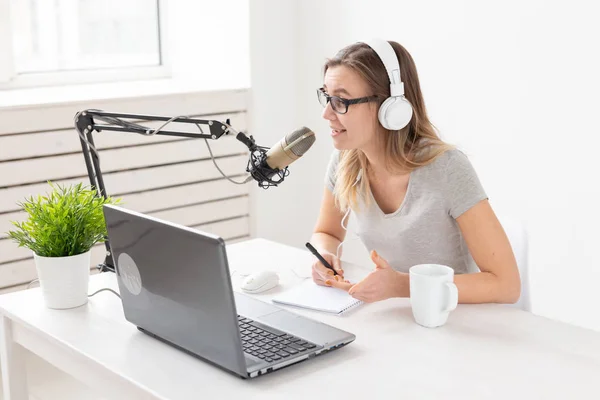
66	222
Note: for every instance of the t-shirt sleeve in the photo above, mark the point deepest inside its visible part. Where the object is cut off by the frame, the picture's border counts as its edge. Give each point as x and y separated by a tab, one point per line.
463	188
330	175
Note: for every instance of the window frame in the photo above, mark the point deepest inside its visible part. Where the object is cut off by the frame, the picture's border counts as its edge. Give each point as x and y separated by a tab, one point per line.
9	79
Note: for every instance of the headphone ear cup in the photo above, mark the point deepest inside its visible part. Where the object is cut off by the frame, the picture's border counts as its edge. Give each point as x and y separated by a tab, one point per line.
395	113
382	114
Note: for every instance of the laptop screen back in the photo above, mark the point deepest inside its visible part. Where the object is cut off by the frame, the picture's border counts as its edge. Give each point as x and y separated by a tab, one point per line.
175	284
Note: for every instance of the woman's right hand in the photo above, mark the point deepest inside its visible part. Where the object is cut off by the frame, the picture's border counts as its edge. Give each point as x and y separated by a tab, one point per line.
321	273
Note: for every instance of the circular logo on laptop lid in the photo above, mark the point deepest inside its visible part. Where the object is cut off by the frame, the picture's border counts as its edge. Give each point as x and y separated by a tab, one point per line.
129	273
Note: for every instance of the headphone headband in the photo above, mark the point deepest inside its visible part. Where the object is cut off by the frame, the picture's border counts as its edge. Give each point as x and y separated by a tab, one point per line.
386	53
396	111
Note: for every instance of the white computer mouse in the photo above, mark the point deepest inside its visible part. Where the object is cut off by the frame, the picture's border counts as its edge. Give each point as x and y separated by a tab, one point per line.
259	282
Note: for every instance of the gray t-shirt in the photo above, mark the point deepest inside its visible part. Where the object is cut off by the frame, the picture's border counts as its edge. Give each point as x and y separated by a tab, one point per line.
424	228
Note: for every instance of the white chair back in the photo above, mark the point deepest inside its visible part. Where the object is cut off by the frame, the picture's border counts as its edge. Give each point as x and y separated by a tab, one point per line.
517	236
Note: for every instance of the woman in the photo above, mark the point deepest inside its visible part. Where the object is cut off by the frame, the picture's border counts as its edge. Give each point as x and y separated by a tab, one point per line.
416	199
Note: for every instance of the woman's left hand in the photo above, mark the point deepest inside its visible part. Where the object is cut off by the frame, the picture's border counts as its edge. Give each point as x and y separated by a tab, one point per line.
381	284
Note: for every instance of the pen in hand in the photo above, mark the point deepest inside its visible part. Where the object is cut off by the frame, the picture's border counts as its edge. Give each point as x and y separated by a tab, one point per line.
320	257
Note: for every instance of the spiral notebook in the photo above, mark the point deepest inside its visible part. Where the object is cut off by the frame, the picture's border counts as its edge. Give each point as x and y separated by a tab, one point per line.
311	296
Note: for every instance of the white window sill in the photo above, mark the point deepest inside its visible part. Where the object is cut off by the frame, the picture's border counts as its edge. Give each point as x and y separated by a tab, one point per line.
58	95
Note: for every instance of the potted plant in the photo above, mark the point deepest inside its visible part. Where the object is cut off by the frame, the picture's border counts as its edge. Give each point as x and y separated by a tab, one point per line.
61	229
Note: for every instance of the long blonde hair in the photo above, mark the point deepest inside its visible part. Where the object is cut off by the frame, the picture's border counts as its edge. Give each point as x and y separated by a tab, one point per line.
413	146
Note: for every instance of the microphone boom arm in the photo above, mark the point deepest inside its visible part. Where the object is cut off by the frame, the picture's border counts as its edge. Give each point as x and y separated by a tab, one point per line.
88	121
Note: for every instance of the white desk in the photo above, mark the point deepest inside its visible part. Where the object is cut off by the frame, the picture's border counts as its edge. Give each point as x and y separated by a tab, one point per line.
484	351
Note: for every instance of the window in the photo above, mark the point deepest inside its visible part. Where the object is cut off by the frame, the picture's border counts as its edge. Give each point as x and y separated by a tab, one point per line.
49	42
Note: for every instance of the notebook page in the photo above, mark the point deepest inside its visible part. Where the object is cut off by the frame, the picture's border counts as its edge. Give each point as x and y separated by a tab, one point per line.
321	298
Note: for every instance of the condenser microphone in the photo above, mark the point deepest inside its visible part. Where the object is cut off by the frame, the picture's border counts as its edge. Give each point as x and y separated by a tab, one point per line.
290	148
270	168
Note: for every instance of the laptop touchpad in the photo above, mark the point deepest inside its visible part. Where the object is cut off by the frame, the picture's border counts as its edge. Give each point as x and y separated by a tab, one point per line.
281	319
252	308
304	328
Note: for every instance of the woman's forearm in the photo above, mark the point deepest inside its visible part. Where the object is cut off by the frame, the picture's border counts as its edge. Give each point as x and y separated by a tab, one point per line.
485	287
325	242
480	287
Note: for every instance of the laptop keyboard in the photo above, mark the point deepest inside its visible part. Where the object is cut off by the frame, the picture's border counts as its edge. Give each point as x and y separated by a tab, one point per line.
268	343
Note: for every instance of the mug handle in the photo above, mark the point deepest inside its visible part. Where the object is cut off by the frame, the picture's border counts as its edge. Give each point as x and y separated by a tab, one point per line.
452	297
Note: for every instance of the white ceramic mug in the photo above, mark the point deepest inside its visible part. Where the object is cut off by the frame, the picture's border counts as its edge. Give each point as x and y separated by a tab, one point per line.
433	294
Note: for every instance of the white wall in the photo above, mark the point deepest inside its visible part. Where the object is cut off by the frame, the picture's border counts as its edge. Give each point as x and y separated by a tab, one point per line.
274	111
207	43
514	84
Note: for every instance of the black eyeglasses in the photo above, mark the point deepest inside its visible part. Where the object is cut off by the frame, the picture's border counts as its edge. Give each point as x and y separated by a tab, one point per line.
338	104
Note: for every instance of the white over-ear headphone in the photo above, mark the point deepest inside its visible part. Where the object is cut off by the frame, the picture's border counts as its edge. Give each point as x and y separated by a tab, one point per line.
396	111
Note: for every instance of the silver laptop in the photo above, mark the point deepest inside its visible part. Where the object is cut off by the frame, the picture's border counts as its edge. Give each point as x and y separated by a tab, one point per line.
175	286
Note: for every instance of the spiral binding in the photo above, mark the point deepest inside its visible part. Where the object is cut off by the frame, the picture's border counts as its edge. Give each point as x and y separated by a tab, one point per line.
352	306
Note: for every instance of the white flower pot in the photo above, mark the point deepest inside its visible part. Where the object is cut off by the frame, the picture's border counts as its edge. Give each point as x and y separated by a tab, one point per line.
64	280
